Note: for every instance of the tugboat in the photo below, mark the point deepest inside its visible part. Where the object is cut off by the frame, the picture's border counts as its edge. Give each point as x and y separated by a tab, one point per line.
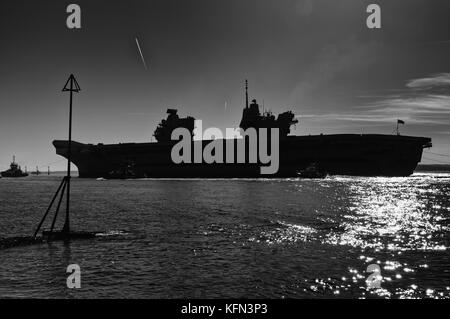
124	171
312	172
14	170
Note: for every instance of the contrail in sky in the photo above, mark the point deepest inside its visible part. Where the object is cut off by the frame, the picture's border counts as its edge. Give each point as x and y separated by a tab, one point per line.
140	52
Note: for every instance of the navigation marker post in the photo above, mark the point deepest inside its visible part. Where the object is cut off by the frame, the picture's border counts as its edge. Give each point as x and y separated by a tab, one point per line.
70	86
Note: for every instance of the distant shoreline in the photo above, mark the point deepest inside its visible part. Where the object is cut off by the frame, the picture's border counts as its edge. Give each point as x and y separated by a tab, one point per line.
54	173
437	168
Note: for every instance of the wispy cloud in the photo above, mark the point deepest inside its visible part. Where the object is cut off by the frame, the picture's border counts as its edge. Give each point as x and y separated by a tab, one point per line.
373	117
426	100
346	117
418	103
427	103
442	79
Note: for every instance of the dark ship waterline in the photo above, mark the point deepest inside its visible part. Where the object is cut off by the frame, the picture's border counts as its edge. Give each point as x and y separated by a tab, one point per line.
336	154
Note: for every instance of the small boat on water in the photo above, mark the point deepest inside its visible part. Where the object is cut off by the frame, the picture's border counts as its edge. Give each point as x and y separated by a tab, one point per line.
37	172
14	170
312	172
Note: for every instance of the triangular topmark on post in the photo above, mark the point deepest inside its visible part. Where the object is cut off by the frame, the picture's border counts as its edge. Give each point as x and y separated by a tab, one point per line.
71	85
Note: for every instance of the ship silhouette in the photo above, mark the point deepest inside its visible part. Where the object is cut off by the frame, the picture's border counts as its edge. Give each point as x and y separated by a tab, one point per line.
334	154
14	170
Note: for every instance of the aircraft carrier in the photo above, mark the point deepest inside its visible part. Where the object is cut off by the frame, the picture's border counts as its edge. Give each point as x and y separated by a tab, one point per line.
335	154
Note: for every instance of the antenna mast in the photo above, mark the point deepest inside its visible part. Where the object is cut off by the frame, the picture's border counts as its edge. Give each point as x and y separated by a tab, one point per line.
246	94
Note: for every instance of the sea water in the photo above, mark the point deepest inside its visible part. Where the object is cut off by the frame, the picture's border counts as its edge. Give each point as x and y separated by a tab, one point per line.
200	238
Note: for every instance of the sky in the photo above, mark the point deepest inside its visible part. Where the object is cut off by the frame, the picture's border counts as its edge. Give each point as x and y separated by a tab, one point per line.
314	57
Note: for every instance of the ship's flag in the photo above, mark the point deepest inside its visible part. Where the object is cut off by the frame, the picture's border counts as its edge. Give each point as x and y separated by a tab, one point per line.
400	122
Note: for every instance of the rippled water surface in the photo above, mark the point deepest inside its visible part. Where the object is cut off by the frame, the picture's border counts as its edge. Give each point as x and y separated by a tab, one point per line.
283	238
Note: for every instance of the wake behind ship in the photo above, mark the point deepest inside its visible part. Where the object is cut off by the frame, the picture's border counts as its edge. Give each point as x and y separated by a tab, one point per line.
336	154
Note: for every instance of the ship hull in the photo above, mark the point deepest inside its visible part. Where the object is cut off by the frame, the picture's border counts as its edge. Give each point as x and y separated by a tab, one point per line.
13	175
341	154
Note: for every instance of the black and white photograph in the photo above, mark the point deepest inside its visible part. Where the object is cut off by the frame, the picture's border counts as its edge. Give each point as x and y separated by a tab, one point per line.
206	150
